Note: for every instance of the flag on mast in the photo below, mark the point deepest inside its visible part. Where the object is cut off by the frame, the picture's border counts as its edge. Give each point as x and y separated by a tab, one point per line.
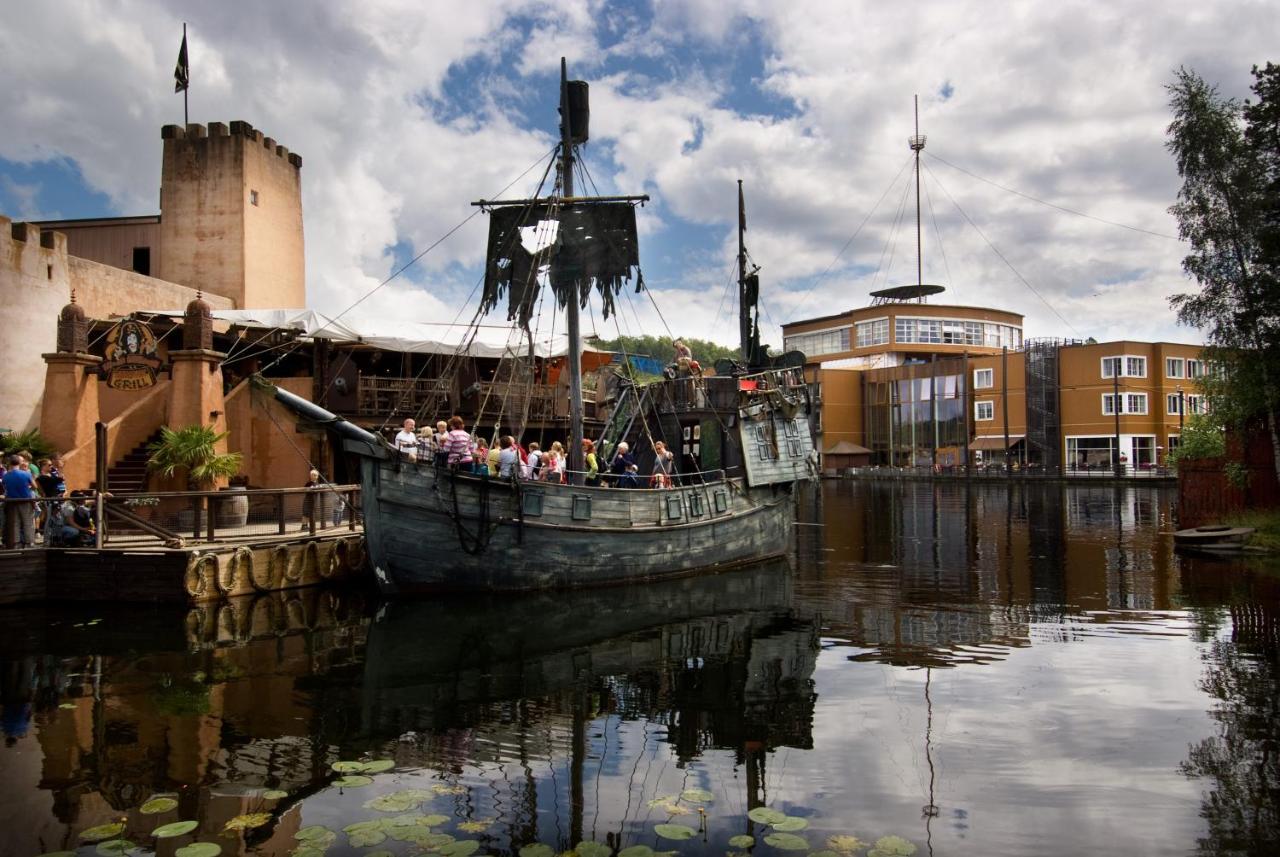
182	72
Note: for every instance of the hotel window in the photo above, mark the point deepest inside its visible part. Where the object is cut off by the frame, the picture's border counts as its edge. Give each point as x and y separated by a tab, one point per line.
983	379
819	342
253	197
1124	366
1130	403
873	332
1195	405
1173	367
1171	404
1195	368
984	410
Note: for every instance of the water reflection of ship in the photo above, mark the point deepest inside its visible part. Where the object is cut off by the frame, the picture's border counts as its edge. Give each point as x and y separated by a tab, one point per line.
723	661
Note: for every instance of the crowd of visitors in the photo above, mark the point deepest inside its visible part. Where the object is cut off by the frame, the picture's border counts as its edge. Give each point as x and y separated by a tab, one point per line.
36	506
451	445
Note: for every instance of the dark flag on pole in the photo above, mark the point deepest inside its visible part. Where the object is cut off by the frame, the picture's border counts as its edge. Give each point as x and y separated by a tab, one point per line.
181	72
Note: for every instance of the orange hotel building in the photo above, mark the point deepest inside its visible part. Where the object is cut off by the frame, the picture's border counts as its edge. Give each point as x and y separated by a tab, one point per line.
906	383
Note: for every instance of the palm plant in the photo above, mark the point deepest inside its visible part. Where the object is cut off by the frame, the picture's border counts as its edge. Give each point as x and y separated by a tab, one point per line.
194	450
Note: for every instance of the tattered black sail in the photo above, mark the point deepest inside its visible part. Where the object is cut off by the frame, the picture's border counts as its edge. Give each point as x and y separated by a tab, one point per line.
595	247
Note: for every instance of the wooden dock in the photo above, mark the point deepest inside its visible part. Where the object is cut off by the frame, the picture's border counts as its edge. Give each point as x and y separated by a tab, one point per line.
190	574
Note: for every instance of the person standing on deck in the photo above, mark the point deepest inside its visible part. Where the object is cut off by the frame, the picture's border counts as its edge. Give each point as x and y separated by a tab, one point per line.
533	461
508	458
622	459
441	438
592	463
663	464
457	444
406	442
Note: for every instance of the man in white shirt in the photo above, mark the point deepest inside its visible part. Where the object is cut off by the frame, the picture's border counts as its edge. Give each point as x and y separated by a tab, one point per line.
407	441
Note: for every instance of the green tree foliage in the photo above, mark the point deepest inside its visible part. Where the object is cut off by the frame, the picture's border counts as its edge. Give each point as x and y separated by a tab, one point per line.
1227	156
1201	437
193	450
660	348
29	441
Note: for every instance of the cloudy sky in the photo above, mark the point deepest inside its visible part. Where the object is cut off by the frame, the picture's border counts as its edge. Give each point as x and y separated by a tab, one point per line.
405	112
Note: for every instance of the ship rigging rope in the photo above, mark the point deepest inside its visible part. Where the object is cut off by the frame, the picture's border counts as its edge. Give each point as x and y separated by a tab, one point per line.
891	240
417	258
818	281
934	157
472	327
996	250
938	232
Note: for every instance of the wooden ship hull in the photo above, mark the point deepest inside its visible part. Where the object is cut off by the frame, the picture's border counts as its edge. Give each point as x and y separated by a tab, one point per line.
432	529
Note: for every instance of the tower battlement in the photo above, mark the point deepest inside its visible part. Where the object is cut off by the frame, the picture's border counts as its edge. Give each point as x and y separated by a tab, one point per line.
237	128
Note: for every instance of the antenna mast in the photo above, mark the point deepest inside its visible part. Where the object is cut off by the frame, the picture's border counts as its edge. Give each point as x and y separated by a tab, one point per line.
916	142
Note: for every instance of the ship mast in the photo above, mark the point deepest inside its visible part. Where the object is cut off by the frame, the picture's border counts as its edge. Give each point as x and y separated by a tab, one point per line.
744	312
574	357
917	143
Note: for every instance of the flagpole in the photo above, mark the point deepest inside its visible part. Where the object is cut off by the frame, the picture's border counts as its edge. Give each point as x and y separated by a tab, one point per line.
186	116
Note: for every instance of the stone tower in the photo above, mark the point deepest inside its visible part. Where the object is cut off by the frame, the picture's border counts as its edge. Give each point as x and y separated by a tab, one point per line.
231	215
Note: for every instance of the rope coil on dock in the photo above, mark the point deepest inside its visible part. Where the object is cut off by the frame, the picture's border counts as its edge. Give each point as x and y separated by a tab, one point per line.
285	566
226	575
201	568
310	560
333	563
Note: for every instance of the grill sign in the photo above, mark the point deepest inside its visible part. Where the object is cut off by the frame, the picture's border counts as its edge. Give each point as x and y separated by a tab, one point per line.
131	362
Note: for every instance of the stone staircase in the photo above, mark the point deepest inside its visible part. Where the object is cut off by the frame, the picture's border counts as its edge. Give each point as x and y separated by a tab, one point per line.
130	472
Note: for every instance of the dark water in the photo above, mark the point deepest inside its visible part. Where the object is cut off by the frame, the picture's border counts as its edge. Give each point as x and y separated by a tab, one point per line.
988	672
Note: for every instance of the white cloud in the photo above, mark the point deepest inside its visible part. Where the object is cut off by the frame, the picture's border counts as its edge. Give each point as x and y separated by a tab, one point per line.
405	113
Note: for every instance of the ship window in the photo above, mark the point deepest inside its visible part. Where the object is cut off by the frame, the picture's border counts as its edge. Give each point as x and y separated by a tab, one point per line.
581	507
674	511
142	260
721	500
695	504
531	502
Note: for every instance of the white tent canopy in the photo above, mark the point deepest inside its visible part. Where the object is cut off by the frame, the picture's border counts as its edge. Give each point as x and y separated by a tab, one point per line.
399	336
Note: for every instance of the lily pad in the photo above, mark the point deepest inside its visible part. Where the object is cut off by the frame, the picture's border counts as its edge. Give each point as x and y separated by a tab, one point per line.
892	846
449	790
845	843
479	825
636	851
348	767
66	706
742	841
391	803
377	767
115	847
247	821
199	849
826	852
353	781
787	842
697	796
669	806
157	805
764	815
312	833
588	848
431	840
537	849
275	794
102	831
381	852
177	828
58	854
366	838
677	832
434	820
362	826
791	824
467	847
